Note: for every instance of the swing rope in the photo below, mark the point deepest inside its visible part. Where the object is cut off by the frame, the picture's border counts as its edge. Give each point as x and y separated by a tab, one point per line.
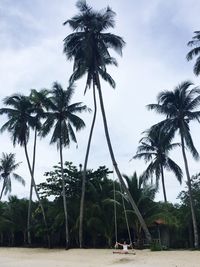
125	213
115	211
126	218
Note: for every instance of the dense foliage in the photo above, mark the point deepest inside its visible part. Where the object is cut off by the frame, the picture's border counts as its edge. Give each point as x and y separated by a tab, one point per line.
99	230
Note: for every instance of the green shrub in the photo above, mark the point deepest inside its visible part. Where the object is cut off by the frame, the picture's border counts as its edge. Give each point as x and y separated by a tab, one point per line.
155	246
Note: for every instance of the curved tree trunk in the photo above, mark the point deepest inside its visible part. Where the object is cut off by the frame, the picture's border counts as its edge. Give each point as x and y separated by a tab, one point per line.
36	192
64	200
194	221
163	183
132	202
84	172
31	190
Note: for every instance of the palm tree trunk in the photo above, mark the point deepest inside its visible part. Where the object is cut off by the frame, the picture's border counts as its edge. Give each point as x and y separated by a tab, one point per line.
24	237
12	238
84	172
64	199
194	221
4	185
163	183
36	192
135	208
1	234
31	190
29	214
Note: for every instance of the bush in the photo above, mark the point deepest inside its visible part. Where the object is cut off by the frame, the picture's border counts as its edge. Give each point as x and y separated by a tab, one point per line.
155	246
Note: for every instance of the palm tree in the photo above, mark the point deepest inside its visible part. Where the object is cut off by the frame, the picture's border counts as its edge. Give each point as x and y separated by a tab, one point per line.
7	168
154	148
89	47
39	100
84	63
139	188
20	119
62	117
180	108
195	52
143	195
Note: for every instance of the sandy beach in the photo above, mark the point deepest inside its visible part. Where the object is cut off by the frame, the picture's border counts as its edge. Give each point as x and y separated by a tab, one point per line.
25	257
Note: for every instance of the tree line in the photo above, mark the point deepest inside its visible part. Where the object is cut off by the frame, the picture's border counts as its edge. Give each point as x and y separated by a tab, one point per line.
99	211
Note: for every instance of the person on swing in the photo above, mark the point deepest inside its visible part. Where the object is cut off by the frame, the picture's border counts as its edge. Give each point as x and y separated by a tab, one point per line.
124	246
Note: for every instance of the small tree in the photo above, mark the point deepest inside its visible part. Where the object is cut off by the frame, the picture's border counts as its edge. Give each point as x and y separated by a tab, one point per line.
155	148
7	168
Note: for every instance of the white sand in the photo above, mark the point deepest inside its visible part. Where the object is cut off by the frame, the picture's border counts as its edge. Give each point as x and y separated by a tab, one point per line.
25	257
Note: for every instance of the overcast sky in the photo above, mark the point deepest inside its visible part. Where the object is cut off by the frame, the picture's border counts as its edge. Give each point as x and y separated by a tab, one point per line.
156	33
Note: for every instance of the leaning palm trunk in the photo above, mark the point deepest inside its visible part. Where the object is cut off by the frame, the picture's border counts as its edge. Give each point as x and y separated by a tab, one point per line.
194	221
135	208
31	190
37	195
64	199
4	185
84	172
163	183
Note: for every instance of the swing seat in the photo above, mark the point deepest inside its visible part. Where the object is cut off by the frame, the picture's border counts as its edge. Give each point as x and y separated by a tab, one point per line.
124	252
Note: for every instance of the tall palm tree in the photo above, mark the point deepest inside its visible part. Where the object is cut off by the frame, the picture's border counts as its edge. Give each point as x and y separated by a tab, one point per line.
39	100
89	46
154	148
20	120
195	42
84	58
180	107
7	168
62	118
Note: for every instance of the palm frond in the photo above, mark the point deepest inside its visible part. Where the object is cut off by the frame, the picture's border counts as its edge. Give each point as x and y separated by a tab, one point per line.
77	122
188	139
56	135
195	115
71	133
8	186
150	171
83	6
19	179
196	68
77	74
113	41
78	108
158	108
107	77
145	155
175	169
46	127
194	102
194	52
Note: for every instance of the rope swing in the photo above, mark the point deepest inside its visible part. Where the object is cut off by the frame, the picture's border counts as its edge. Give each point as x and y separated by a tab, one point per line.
126	218
125	212
115	210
